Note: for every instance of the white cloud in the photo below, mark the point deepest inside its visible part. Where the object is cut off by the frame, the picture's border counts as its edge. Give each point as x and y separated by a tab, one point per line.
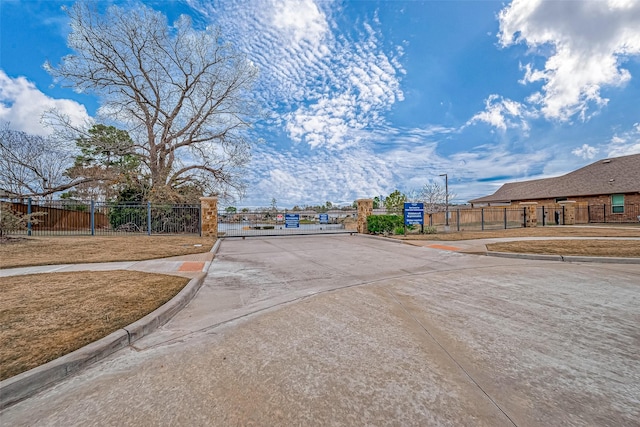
503	113
588	43
404	159
22	105
625	143
316	177
586	152
323	85
300	20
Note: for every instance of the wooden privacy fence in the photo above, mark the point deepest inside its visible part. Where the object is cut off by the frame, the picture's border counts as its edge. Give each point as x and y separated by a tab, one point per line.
490	218
60	218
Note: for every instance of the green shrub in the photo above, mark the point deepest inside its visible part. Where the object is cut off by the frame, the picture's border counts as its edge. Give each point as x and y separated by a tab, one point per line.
379	224
398	231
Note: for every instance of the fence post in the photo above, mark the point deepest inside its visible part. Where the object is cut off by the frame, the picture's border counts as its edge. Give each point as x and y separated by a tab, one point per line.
482	219
93	222
530	214
458	218
604	213
149	218
365	209
505	218
29	217
209	216
544	217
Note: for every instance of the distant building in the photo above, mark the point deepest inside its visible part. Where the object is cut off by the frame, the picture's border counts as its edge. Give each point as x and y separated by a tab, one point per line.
612	183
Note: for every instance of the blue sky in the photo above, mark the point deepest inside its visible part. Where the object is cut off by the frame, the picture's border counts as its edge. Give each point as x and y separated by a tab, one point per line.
368	96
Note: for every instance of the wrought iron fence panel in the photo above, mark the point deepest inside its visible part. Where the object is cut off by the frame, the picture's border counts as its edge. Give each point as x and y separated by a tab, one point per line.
64	217
605	214
550	215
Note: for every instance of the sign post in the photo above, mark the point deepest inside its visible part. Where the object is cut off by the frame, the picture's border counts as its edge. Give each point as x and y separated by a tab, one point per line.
414	215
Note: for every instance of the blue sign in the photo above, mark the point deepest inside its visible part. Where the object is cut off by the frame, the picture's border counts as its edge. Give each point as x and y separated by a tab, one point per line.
324	219
292	221
414	213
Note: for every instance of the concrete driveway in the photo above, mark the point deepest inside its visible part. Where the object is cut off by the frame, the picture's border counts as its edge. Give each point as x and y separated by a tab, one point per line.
351	330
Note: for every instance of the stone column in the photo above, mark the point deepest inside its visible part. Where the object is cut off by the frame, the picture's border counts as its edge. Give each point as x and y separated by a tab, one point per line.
209	216
365	209
531	213
569	211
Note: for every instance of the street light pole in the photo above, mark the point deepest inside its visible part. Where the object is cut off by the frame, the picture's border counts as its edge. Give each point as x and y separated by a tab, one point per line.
446	195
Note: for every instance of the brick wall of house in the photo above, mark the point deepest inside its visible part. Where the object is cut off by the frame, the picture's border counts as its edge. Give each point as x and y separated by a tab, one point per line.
598	208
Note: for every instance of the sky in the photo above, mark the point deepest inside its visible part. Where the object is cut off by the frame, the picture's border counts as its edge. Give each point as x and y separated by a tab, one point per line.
365	97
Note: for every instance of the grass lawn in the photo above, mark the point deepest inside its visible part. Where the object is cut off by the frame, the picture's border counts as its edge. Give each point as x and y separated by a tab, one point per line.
597	246
556	231
29	251
601	248
45	316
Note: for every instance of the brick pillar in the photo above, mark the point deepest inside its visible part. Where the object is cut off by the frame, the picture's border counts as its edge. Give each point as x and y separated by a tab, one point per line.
209	216
365	209
531	213
569	211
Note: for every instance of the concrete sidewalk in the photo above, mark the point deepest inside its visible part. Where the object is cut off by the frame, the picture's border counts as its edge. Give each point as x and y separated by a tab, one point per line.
186	266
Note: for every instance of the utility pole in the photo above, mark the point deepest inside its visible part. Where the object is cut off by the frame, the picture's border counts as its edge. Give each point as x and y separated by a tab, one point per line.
446	196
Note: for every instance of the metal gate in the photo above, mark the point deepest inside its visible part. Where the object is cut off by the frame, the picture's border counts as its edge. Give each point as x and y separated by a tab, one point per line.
270	222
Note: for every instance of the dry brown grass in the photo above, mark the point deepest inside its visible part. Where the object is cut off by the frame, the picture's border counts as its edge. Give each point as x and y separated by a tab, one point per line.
565	231
598	246
45	316
603	248
25	252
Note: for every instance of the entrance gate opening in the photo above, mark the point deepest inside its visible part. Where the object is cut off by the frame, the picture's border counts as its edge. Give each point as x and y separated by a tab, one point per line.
270	222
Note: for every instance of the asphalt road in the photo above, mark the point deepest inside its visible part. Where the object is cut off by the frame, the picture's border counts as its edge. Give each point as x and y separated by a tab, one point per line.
350	330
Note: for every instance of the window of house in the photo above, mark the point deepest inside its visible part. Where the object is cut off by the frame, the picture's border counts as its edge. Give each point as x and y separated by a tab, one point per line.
617	203
560	199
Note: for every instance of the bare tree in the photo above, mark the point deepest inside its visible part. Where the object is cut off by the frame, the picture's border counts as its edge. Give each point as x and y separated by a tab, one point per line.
33	166
181	94
434	197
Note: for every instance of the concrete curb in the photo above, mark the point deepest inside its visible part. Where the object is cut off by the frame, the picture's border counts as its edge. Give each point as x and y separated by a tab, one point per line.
216	246
382	238
566	258
21	386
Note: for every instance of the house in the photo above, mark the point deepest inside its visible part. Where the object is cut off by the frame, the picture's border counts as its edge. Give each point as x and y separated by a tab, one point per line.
612	185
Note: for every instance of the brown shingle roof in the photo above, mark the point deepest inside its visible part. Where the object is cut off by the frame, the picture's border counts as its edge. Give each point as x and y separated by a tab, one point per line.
615	175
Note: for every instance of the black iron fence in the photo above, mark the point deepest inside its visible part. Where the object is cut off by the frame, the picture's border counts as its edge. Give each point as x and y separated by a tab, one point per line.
64	217
468	219
495	218
608	214
590	214
551	215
